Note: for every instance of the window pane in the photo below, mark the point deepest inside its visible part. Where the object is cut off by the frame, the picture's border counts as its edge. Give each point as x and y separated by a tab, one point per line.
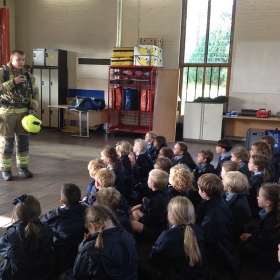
196	26
215	81
220	31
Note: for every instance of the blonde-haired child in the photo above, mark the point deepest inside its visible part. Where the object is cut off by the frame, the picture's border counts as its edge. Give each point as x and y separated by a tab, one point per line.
236	187
106	248
27	245
149	218
93	166
181	184
111	198
228	166
179	251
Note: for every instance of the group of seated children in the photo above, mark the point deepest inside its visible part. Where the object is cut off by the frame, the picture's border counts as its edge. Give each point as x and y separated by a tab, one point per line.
195	217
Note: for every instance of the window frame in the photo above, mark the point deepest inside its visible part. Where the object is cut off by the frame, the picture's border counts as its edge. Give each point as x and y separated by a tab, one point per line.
182	64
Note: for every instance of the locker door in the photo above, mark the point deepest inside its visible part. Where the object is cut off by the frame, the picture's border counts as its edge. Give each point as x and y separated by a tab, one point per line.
37	73
192	120
212	122
45	97
51	57
39	57
54	96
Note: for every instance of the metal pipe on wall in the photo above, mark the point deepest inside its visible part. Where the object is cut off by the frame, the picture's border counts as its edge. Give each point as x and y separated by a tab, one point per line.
5	35
119	24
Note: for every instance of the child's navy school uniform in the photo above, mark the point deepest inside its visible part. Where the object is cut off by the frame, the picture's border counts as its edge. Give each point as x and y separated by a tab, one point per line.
203	169
275	162
68	225
184	160
215	219
155	211
145	165
23	262
222	159
123	219
90	199
245	170
192	195
152	151
116	260
265	240
124	159
122	181
241	212
255	182
169	254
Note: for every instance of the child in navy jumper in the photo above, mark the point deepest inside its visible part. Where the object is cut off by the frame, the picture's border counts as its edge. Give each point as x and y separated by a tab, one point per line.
68	224
122	183
241	156
223	149
228	166
179	251
181	155
275	159
166	152
163	163
107	251
149	139
27	245
258	165
236	187
262	148
204	157
93	167
143	161
159	143
261	243
215	219
181	184
123	150
149	218
105	178
111	198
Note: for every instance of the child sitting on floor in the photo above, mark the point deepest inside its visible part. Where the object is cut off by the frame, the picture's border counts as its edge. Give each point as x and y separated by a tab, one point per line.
93	167
179	251
204	157
181	155
223	149
149	218
27	245
241	156
236	187
68	224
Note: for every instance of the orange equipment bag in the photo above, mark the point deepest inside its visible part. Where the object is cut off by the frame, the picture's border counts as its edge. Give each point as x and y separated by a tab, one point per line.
146	99
117	99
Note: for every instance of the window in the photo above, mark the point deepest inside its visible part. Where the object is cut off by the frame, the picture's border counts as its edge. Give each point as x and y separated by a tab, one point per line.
206	42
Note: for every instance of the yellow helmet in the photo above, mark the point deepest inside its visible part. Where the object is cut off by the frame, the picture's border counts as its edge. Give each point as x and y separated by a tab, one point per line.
31	124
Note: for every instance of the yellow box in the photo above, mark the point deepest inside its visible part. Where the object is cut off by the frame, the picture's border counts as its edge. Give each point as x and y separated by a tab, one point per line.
146	60
147	50
123	52
121	60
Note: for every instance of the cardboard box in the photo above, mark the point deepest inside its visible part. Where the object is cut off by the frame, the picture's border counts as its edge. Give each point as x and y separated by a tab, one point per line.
152	41
147	50
123	52
148	60
121	60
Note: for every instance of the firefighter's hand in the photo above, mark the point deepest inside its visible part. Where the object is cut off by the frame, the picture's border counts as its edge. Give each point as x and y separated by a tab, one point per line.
32	111
19	79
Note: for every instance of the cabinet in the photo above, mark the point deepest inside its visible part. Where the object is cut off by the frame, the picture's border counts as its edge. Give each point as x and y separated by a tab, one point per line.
131	93
50	72
203	120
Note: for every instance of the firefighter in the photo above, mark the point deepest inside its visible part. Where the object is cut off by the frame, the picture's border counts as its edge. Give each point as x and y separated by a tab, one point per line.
19	97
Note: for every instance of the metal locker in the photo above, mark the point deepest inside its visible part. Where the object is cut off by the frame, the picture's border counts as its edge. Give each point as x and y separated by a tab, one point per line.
52	57
38	57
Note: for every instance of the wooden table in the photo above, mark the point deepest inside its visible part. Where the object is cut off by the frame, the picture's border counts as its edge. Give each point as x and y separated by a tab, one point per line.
238	126
91	118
